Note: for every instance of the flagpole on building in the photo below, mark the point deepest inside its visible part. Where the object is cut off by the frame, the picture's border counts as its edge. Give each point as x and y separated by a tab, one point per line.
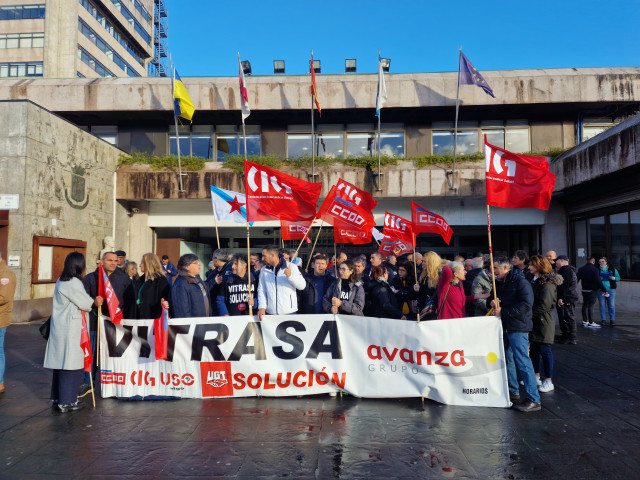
379	114
313	139
314	244
451	173
175	119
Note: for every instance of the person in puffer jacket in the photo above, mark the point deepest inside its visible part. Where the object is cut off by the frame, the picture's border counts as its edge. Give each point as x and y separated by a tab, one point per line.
279	281
345	295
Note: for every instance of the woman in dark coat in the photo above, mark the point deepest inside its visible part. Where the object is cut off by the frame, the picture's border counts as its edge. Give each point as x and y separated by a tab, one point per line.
402	285
382	299
154	288
426	284
345	295
545	283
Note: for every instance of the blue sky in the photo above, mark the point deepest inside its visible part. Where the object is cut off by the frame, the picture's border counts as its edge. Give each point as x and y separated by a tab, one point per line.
417	35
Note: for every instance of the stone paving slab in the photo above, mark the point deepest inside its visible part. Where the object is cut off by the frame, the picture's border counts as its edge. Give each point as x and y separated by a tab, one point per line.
589	428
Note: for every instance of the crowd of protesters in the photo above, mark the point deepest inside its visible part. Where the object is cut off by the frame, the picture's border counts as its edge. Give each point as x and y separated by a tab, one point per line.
408	287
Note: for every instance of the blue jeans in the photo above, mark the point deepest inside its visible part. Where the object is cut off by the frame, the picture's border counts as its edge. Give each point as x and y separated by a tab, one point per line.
516	348
607	303
542	351
2	332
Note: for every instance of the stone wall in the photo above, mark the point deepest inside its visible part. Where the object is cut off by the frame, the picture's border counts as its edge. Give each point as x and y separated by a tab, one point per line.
64	179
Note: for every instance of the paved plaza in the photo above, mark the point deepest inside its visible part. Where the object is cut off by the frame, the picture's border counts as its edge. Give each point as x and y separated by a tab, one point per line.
589	428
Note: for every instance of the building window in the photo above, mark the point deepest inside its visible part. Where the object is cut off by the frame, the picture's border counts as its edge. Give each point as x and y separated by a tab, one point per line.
615	236
94	38
335	143
94	64
513	136
594	126
200	144
21	69
329	145
107	133
21	12
132	21
21	40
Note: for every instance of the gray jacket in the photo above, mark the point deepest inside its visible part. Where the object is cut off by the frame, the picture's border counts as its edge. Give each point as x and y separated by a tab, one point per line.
481	284
63	348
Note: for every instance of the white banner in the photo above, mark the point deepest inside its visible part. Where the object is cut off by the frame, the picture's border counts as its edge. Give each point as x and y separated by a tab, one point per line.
456	362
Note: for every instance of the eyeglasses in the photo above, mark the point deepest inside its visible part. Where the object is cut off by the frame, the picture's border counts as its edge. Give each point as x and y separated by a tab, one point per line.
343	269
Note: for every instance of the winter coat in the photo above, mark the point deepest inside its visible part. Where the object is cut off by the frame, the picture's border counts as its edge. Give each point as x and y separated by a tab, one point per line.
277	292
544	300
63	347
122	287
149	297
7	292
170	271
568	290
352	306
232	296
405	293
451	297
383	301
425	294
188	299
481	284
589	276
307	296
516	301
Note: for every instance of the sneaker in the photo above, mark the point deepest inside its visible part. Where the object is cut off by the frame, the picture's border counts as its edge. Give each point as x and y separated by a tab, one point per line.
594	325
547	386
585	324
528	406
539	381
333	394
72	407
569	341
85	389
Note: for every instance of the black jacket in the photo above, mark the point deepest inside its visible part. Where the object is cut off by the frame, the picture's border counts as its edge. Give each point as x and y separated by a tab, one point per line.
232	295
568	291
307	296
383	302
589	276
121	284
188	300
516	301
150	295
544	300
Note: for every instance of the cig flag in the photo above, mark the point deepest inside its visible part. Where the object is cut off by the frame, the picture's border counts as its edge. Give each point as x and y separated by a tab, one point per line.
244	99
349	191
517	181
397	227
469	75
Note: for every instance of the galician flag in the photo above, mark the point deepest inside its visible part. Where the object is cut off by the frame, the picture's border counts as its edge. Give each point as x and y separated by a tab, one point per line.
229	205
244	99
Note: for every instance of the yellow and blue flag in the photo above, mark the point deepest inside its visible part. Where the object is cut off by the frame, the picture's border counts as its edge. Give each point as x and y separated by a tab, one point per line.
182	104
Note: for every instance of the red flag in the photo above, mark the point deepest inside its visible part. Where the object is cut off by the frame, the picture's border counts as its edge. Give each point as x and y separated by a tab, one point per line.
105	290
350	192
314	90
345	233
161	333
272	194
425	221
390	245
244	98
85	344
336	209
397	227
517	181
295	230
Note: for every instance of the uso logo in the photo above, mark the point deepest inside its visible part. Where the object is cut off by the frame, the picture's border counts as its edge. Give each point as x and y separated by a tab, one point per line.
216	379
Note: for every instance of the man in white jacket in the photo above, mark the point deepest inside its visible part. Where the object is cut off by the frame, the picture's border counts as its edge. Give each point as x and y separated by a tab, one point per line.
279	281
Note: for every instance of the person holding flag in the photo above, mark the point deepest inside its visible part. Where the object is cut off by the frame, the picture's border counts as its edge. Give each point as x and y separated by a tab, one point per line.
65	354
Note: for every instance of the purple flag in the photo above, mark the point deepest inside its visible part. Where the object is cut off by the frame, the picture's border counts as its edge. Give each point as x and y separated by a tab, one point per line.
469	75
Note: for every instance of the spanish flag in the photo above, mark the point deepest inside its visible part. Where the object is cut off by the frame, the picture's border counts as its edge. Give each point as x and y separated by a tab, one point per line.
314	91
182	104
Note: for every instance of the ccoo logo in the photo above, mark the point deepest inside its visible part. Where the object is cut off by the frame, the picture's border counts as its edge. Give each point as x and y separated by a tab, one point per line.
266	184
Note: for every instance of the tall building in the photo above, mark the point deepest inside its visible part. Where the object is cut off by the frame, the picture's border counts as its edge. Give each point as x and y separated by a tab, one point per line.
159	66
76	38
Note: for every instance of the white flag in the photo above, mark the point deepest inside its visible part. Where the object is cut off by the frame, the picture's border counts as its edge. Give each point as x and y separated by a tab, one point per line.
382	88
244	99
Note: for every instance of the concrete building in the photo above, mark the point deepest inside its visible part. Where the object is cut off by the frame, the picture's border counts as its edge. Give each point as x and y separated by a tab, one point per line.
534	110
76	38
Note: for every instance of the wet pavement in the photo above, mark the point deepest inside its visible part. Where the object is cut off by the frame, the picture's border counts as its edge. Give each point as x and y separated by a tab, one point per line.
589	428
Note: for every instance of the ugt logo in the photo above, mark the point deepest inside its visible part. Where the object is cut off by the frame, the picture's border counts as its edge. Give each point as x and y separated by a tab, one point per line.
265	182
494	157
216	378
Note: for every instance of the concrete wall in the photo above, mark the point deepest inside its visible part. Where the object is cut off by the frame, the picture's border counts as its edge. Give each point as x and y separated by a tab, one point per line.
40	154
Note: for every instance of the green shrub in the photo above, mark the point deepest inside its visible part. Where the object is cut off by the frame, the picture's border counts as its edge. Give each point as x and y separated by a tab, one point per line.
165	162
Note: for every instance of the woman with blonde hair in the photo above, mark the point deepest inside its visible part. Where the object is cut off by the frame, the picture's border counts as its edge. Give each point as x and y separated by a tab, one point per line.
153	289
426	284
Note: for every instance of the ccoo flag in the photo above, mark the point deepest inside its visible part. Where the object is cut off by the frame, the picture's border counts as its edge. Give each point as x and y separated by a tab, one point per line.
517	181
381	97
182	104
469	75
244	99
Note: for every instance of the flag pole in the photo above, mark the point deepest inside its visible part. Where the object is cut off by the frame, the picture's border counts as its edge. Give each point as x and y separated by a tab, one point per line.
314	244
335	256
379	114
175	119
313	140
93	395
415	268
215	220
98	337
450	174
493	277
306	234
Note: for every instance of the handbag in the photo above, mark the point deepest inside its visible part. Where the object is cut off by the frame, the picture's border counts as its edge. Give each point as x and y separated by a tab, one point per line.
45	328
429	309
612	283
441	306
